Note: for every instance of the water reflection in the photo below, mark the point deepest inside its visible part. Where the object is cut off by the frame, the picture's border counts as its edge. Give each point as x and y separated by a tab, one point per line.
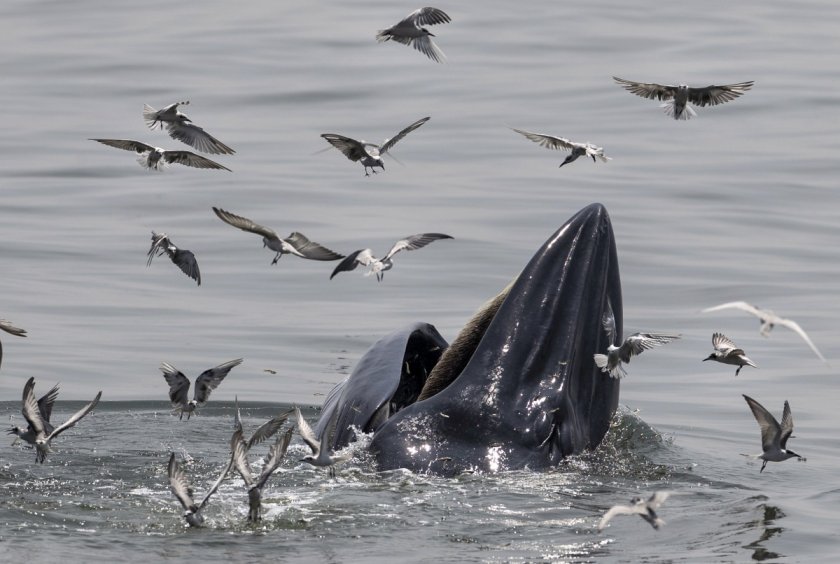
770	514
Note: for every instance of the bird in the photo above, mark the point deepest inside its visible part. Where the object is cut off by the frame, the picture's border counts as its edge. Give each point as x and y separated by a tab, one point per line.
32	414
11	329
774	437
561	143
183	259
409	31
264	431
181	128
768	320
727	353
45	405
379	266
321	455
369	154
295	244
155	158
677	98
184	493
207	381
633	345
272	461
646	509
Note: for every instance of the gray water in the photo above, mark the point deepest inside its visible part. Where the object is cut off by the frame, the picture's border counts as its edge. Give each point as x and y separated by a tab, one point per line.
738	203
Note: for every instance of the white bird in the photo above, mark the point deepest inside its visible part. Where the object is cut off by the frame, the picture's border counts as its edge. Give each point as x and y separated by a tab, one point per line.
32	414
184	493
155	158
563	144
727	353
632	346
11	329
379	266
768	320
181	128
677	97
774	437
45	405
646	509
272	461
321	455
295	244
369	154
179	386
410	32
183	259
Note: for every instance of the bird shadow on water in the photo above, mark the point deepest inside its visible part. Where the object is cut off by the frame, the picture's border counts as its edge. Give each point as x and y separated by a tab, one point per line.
766	524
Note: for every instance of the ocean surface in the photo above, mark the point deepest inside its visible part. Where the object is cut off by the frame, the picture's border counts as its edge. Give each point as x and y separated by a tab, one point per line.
740	203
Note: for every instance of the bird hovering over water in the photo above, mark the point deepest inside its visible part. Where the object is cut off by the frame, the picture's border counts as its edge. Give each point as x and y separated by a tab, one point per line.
11	329
184	493
155	158
644	508
181	128
677	98
727	353
369	154
321	455
409	31
632	346
768	320
182	258
45	405
774	436
379	266
561	143
179	386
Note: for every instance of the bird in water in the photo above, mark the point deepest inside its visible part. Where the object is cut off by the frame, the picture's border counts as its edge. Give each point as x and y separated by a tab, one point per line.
179	386
183	259
183	492
774	436
272	461
12	330
155	158
727	353
45	405
181	128
677	98
321	455
644	508
369	154
379	266
563	144
769	320
410	31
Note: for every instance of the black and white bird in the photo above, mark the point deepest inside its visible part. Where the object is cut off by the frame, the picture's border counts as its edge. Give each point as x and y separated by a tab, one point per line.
272	461
184	493
379	266
644	508
321	455
774	436
181	128
155	158
32	414
727	353
45	405
183	259
633	345
370	154
12	330
295	244
410	31
677	98
769	320
563	144
179	386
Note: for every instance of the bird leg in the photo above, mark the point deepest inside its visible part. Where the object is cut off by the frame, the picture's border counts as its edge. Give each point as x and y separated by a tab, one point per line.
276	258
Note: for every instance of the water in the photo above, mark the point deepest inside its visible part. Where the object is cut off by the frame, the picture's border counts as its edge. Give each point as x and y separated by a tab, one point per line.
739	203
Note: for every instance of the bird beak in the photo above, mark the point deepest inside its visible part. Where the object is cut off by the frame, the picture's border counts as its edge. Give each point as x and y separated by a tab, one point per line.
710	357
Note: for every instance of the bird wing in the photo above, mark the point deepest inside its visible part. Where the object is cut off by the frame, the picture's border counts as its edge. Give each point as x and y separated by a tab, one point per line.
268	429
425	45
45	404
613	511
426	16
608	322
306	432
191	159
310	249
388	143
744	306
9	328
638	342
794	326
275	456
713	95
30	407
647	90
178	483
179	385
414	242
126	144
722	343
216	484
196	137
786	426
547	141
239	451
770	428
160	241
352	149
185	260
244	223
657	499
75	418
354	259
210	379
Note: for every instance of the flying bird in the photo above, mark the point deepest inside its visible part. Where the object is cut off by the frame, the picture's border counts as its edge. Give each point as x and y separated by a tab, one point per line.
369	154
182	258
45	405
272	461
11	329
264	431
646	509
379	266
410	32
774	437
768	320
563	144
295	244
727	353
321	455
632	346
677	98
181	128
179	386
155	158
183	492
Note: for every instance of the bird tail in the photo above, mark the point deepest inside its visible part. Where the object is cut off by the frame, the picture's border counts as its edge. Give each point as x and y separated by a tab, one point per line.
603	157
383	35
670	110
150	116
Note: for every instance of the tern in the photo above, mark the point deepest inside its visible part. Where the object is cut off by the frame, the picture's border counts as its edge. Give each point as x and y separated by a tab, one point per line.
11	329
182	490
295	244
410	32
45	405
563	144
179	386
646	509
727	353
677	97
768	320
774	437
183	259
369	154
155	158
632	346
272	461
379	266
321	455
181	128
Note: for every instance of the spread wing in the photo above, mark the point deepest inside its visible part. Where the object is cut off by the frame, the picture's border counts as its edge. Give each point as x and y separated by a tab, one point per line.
9	328
615	510
196	137
713	95
268	429
185	260
794	326
210	379
723	343
638	342
160	242
179	485
647	90
30	407
743	306
244	224
239	451
179	385
386	146
310	249
45	404
191	159
548	141
354	259
275	456
426	16
127	145
352	149
306	432
75	418
770	428
608	322
413	242
216	484
657	499
786	425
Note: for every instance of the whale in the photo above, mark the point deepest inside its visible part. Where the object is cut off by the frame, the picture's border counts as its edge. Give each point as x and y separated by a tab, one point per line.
517	389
